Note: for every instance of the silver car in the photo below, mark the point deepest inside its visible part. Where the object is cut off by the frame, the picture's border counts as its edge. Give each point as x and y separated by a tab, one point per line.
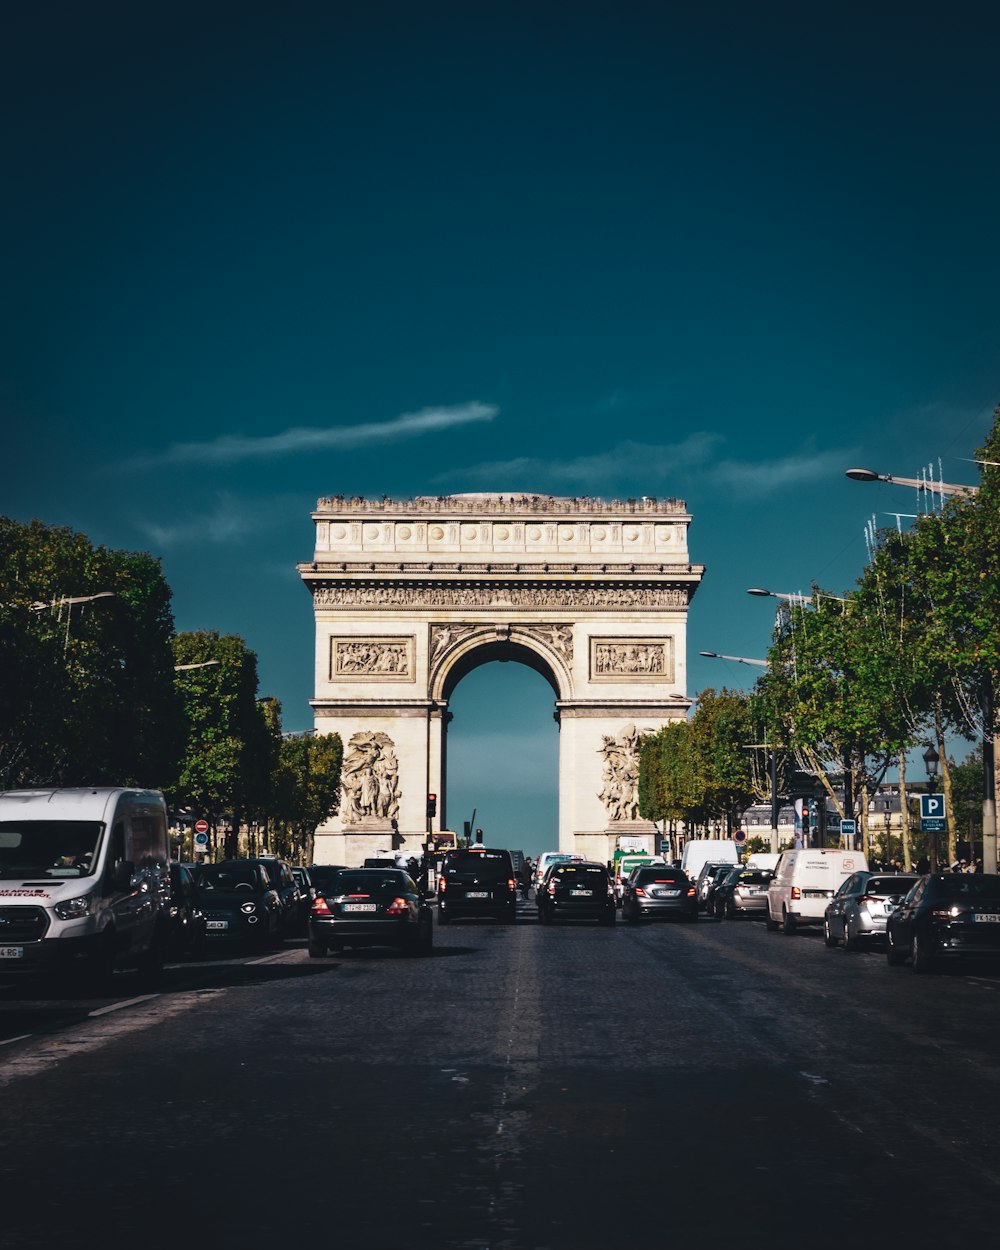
859	910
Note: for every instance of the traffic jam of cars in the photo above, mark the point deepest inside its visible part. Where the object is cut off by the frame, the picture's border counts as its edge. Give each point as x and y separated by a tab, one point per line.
71	895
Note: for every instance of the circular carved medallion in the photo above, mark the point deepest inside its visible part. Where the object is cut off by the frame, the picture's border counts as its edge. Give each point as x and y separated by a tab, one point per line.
437	532
404	532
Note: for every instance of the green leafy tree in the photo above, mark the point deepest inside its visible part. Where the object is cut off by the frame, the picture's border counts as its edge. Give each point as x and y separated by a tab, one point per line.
307	790
86	671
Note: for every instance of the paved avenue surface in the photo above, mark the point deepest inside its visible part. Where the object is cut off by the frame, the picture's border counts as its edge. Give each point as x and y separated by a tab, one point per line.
526	1088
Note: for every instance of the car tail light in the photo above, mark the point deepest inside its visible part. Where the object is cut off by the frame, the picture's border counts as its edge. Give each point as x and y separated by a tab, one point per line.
442	885
796	892
319	908
552	887
947	913
639	890
511	883
396	908
691	892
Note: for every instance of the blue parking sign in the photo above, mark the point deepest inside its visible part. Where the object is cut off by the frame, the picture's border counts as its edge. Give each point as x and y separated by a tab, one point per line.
932	807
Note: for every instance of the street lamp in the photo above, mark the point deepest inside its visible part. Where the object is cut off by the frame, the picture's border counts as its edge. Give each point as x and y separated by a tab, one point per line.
184	668
944	489
738	659
803	601
931	762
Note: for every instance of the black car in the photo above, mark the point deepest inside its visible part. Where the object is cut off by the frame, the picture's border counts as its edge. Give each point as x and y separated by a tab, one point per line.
187	920
576	891
294	909
946	916
240	904
370	907
656	892
477	883
323	876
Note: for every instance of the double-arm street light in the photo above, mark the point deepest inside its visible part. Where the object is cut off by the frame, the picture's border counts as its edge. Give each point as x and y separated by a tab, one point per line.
802	601
737	659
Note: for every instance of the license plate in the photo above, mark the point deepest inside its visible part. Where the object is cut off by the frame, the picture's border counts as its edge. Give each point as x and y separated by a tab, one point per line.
581	893
666	893
11	952
361	907
986	918
218	924
477	893
753	889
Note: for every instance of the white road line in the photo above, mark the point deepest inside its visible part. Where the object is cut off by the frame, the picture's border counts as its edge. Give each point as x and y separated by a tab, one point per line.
7	1041
129	1002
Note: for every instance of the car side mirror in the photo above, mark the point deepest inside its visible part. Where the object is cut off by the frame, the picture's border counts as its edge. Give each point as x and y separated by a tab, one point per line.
124	871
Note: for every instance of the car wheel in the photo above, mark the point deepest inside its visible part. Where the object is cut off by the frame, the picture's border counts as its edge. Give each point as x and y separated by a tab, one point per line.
923	958
510	916
608	919
788	925
894	957
442	916
151	962
770	924
828	937
317	949
729	911
544	915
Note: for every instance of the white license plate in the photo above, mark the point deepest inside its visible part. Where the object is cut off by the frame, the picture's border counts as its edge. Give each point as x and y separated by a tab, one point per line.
581	893
218	924
360	907
666	893
11	952
986	918
477	893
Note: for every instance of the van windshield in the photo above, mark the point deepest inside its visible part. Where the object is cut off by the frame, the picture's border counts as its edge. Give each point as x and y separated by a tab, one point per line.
48	848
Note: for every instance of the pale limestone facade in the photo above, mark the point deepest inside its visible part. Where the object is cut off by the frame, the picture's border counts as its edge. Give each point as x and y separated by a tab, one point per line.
410	596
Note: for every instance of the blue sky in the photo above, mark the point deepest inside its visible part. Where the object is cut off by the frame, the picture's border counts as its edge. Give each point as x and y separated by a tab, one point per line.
258	253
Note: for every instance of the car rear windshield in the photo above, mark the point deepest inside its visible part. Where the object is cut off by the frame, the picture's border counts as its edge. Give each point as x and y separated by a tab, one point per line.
646	876
324	875
377	883
883	887
591	873
752	877
967	886
486	865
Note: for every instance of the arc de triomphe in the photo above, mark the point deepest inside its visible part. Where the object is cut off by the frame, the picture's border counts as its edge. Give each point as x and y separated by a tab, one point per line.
411	596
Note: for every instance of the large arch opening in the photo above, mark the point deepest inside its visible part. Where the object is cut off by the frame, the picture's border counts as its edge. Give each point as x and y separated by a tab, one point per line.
501	750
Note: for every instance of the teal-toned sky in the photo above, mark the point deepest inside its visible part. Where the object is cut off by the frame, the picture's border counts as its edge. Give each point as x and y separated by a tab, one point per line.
257	253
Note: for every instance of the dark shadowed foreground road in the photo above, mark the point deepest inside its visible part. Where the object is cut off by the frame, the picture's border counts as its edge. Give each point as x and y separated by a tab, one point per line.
524	1088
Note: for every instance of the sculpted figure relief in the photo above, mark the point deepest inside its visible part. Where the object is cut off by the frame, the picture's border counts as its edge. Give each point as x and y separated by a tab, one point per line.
501	596
620	793
630	658
370	779
372	657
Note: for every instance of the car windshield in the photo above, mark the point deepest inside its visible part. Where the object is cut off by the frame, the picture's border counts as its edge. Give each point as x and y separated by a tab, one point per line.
372	882
969	886
227	877
751	877
485	865
48	848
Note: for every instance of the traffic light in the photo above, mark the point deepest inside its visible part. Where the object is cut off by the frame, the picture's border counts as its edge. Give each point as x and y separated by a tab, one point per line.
229	844
432	806
479	835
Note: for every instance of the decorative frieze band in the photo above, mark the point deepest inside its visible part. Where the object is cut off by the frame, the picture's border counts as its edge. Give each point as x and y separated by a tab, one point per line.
558	637
359	595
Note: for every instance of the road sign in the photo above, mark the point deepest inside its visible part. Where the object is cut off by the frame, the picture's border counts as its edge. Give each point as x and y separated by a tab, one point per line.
740	835
201	839
932	807
849	827
201	826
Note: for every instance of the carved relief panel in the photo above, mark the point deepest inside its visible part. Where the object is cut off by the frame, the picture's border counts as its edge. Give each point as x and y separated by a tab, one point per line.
632	659
372	658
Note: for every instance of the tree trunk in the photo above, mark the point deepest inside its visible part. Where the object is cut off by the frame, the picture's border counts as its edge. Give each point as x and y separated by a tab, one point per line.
904	814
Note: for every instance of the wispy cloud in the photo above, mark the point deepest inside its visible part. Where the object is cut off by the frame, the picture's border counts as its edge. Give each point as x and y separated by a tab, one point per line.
231	448
224	519
639	467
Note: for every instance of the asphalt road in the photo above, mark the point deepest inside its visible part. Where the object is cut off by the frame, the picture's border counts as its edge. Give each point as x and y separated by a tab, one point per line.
525	1088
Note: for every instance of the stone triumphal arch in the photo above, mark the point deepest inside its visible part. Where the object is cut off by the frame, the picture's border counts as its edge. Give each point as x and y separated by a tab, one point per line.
410	596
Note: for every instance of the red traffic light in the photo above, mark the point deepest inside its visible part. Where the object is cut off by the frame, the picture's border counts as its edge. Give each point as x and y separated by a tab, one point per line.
431	805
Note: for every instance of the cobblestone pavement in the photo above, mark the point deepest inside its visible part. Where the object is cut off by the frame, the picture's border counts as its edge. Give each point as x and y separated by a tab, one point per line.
526	1088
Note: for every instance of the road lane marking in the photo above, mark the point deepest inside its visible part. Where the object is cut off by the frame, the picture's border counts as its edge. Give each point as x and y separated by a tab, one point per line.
128	1002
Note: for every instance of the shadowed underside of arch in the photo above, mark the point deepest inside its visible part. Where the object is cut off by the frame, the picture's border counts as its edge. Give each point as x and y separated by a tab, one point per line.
485	651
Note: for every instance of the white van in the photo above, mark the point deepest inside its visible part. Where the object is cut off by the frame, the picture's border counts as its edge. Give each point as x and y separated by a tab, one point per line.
701	851
763	861
84	881
804	882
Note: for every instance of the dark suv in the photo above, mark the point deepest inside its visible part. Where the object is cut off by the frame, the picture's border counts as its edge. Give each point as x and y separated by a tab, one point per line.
477	883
